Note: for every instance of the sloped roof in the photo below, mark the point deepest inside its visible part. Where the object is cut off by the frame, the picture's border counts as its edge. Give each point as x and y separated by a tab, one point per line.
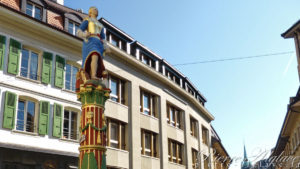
290	32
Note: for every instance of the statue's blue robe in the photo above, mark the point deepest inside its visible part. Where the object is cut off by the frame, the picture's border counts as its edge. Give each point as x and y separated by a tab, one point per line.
92	45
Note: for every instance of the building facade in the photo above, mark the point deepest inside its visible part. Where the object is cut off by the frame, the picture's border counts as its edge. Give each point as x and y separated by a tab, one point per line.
221	159
287	151
156	117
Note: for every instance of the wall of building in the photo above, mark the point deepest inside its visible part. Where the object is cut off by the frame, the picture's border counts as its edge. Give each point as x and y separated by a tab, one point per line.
137	76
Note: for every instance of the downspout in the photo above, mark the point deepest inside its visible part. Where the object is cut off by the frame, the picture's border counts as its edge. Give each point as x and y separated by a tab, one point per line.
298	52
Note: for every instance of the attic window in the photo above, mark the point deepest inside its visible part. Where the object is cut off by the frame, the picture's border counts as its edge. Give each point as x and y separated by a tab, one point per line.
34	11
72	28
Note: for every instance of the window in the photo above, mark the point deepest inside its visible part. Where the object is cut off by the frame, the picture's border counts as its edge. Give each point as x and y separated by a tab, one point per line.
71	77
296	138
194	127
206	162
204	135
295	141
116	134
190	90
195	160
147	60
117	87
26	116
34	11
148	103
298	133
114	41
29	64
72	28
200	100
70	125
293	144
170	75
174	116
175	152
148	143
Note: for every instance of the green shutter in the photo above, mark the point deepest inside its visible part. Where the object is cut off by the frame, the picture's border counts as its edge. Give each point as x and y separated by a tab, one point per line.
2	50
9	110
13	58
47	67
43	118
57	120
59	71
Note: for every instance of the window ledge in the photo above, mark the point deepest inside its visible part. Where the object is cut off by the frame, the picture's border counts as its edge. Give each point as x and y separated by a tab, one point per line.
116	149
175	127
204	144
181	165
194	137
118	103
68	91
30	80
25	132
155	158
69	140
149	116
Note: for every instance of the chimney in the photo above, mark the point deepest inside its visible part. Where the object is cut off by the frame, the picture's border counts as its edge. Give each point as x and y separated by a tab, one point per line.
79	10
60	2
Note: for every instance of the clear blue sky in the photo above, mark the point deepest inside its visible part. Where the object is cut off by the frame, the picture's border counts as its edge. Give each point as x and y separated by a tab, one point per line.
248	97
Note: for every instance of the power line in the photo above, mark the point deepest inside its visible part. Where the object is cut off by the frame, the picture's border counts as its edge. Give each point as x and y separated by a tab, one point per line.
236	58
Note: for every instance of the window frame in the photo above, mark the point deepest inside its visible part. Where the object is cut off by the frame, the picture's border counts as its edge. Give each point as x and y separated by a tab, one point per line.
146	59
73	27
205	135
179	151
71	73
38	68
71	111
152	103
153	145
121	129
205	161
194	127
121	95
25	99
33	10
194	158
177	116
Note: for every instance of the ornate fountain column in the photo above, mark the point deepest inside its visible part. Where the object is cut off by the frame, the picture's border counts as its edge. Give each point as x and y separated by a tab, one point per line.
93	95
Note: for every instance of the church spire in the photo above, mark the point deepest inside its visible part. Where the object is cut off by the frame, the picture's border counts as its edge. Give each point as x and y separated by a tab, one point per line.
246	164
245	153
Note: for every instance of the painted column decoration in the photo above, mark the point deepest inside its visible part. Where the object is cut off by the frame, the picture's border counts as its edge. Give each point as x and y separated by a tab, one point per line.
92	126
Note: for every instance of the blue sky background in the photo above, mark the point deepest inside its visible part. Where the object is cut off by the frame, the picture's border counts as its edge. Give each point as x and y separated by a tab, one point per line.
248	97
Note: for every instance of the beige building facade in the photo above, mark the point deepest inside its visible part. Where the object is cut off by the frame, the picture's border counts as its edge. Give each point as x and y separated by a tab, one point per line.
287	149
156	117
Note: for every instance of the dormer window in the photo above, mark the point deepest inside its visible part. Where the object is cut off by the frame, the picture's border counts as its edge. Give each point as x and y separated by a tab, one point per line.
72	28
147	60
114	41
34	11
